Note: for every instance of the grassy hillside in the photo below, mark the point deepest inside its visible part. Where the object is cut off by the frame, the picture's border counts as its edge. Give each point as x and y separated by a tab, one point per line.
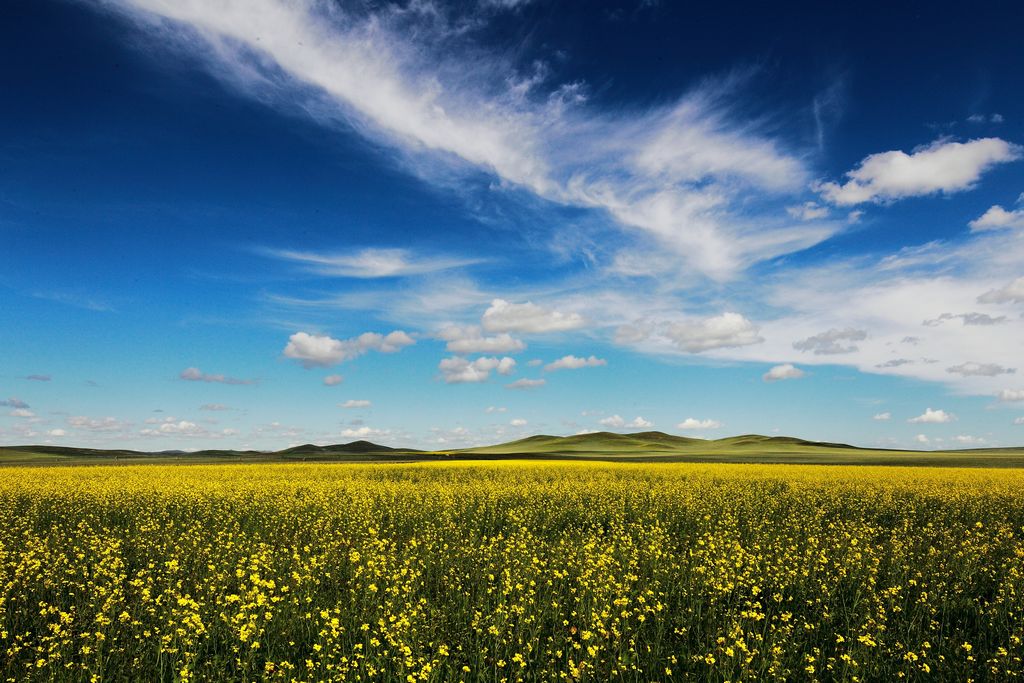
639	447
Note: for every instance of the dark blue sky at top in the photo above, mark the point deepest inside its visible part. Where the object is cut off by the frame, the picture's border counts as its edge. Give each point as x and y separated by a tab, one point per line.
134	179
95	133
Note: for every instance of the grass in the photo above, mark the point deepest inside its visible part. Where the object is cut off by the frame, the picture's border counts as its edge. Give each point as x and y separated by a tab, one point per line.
511	571
606	446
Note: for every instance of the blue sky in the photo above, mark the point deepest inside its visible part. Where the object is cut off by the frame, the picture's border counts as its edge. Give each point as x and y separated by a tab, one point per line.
257	224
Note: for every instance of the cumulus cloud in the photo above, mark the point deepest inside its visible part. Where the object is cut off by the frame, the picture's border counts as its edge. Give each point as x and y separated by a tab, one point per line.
882	417
99	424
894	363
460	370
526	384
695	424
966	318
571	362
22	412
921	438
471	339
356	403
613	421
969	440
1011	395
727	330
980	369
364	433
57	432
321	350
1019	421
370	263
197	375
14	403
172	427
944	166
930	416
495	409
618	422
997	218
782	372
1012	293
528	318
830	342
518	422
333	380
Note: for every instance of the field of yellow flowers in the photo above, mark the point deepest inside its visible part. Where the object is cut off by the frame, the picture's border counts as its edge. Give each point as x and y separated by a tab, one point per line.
511	571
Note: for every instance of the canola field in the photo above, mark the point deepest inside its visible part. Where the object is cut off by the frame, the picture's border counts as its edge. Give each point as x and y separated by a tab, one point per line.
511	571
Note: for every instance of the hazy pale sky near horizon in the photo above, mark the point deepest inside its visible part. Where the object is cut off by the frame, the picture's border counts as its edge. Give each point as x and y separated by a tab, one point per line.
259	223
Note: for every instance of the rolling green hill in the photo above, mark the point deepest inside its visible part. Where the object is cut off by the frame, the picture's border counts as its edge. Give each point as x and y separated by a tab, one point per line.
638	447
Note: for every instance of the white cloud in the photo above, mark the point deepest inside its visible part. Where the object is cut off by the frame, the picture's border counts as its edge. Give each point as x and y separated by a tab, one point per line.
781	372
333	380
470	339
969	440
921	438
966	319
727	330
321	350
197	375
613	421
980	369
364	433
883	417
571	362
1012	293
526	384
527	318
1011	395
943	166
214	407
828	343
617	422
808	211
356	403
930	416
518	422
57	432
460	370
170	427
495	409
1019	421
370	263
997	218
693	423
22	412
102	424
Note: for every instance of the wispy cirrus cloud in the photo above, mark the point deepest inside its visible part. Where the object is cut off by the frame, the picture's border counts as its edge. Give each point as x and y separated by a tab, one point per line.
369	263
412	78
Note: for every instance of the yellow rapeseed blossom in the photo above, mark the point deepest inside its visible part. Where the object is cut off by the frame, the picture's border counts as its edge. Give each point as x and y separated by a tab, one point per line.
511	571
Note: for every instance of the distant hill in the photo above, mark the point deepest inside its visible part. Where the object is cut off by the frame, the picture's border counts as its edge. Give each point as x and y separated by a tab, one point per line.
650	446
352	447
